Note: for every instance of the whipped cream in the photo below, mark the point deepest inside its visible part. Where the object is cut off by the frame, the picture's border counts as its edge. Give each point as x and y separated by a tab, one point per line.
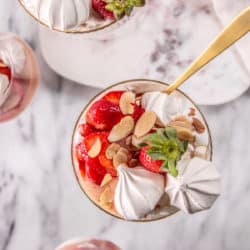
138	191
165	106
4	86
62	14
196	187
13	54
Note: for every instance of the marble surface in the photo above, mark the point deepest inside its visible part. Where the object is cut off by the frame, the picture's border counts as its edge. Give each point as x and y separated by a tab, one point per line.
41	204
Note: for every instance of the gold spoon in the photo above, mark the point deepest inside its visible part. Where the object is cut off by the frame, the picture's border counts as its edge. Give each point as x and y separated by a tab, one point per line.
233	32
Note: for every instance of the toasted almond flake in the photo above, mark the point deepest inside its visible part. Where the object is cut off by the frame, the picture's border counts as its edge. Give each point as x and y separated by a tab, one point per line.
96	148
145	123
112	150
181	118
192	112
198	125
185	134
123	150
183	124
120	158
106	198
137	141
128	140
126	103
122	129
107	178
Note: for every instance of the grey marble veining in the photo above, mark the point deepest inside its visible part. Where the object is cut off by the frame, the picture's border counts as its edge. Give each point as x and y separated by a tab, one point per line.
41	204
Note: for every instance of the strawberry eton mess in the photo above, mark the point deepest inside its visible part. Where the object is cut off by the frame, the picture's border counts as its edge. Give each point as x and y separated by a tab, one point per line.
140	154
80	15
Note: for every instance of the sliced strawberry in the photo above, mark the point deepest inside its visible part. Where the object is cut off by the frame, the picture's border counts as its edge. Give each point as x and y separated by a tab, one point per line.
94	170
5	69
86	129
113	96
108	165
82	168
148	162
99	7
103	115
138	111
81	152
91	139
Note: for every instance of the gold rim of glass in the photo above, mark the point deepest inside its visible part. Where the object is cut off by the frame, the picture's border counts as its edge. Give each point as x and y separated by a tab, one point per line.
75	130
66	31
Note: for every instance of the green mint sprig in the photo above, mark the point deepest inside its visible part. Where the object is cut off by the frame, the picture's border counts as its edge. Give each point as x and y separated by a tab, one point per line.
120	8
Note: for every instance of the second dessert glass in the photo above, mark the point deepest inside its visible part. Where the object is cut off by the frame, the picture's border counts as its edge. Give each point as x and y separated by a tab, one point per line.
19	75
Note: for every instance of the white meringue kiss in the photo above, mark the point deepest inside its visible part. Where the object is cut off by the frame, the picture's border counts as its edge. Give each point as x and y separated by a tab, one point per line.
63	14
165	106
197	186
138	191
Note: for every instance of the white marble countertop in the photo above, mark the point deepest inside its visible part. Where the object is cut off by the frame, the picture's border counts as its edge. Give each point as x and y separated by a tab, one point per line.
41	204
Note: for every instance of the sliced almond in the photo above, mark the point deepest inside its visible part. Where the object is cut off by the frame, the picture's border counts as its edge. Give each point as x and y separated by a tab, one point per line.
120	158
137	141
145	123
122	129
107	178
96	148
123	150
198	125
181	118
185	134
128	140
112	150
192	112
184	124
127	101
106	198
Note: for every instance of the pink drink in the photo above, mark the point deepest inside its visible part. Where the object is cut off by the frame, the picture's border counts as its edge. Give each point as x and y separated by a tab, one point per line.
92	244
19	76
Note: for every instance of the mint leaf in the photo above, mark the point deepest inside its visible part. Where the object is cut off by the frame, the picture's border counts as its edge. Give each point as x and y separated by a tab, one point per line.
170	132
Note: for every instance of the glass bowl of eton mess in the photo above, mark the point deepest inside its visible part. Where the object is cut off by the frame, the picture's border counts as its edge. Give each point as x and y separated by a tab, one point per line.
79	16
88	244
140	154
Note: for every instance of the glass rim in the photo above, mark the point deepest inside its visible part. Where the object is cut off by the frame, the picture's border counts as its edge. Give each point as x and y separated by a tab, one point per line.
75	130
68	31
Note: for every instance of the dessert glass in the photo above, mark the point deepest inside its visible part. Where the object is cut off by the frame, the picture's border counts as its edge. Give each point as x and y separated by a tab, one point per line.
20	59
93	24
91	191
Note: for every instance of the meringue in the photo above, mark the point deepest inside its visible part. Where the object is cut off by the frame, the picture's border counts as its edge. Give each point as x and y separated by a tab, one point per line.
197	186
62	14
138	191
165	106
4	86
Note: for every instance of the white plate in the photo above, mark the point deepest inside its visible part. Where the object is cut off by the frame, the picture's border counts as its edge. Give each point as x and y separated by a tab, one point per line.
157	43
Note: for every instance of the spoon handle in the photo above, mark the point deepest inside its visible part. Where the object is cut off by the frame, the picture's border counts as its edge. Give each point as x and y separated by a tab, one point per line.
233	32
